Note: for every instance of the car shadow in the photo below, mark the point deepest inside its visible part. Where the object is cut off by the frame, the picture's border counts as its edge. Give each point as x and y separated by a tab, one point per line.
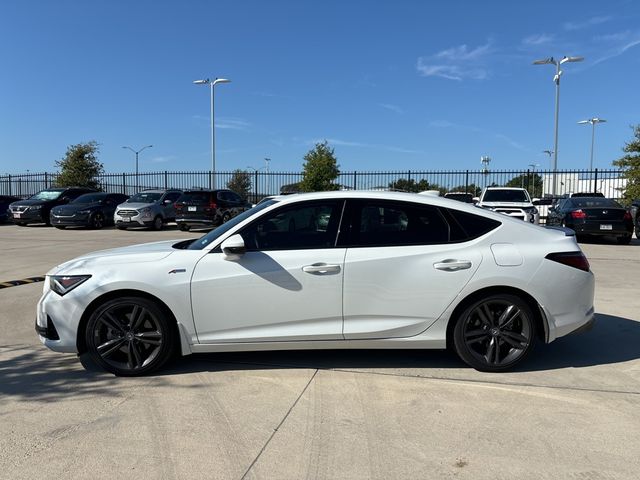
612	340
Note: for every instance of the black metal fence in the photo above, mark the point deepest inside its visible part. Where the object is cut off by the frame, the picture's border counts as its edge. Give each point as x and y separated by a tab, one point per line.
539	183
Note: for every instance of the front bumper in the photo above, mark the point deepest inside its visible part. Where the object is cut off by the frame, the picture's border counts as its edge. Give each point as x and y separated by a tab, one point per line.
139	220
77	220
59	318
28	216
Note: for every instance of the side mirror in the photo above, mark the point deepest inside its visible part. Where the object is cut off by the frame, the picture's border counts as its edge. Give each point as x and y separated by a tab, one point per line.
167	201
233	246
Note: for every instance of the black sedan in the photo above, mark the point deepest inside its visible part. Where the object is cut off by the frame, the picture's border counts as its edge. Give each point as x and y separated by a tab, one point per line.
593	216
5	201
93	210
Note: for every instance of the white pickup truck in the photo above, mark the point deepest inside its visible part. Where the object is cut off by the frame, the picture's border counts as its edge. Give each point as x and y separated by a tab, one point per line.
514	202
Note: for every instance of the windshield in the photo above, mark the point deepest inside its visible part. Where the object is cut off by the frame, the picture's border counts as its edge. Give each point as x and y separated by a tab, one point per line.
505	196
210	237
145	197
47	195
594	202
90	198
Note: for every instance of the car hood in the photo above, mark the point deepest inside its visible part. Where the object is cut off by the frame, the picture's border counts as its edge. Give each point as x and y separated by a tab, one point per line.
75	207
506	204
25	203
143	253
135	206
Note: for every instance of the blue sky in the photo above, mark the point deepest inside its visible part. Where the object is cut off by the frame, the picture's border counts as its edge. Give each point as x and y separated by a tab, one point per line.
410	85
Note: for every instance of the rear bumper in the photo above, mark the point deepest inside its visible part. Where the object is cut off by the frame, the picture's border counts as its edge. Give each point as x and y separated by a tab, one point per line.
198	221
595	228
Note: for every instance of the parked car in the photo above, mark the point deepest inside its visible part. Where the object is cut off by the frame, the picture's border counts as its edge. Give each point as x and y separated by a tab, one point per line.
208	208
149	208
593	216
5	201
93	210
36	209
514	202
388	270
459	196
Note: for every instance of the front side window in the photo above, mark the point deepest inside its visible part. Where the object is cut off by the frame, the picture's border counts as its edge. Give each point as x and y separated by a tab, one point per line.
300	226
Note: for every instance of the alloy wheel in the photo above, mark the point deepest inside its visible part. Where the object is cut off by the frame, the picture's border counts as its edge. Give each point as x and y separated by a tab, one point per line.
496	333
129	336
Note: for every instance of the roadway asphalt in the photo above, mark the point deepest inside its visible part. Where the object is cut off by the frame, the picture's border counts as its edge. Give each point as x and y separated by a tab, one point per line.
570	412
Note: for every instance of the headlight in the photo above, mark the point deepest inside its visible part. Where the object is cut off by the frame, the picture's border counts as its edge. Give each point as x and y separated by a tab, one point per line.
63	284
145	211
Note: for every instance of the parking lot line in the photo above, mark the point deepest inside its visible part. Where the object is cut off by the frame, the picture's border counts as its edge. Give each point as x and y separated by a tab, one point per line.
24	281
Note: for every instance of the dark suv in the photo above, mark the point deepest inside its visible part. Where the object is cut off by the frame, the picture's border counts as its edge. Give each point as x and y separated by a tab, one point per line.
36	209
208	208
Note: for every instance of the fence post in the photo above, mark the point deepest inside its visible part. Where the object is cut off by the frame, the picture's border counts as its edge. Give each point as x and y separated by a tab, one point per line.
355	180
166	183
46	180
595	181
409	176
466	183
124	184
10	193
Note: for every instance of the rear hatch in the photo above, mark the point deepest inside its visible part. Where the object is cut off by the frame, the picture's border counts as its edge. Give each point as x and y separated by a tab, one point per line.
195	205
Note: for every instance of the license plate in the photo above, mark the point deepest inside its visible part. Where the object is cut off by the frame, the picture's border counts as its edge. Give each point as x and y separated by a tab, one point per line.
192	209
16	215
605	227
126	219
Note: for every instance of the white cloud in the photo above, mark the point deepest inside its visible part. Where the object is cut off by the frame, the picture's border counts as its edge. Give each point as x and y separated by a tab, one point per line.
619	43
163	159
457	63
591	22
232	123
538	39
393	108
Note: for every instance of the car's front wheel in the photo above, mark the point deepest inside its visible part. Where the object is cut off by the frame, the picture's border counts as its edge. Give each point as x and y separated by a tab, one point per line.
495	333
97	221
157	223
129	336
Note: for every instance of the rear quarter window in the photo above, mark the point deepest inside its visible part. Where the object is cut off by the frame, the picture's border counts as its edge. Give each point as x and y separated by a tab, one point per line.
467	226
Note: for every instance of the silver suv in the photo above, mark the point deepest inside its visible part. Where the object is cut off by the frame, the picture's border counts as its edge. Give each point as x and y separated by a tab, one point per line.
513	202
149	208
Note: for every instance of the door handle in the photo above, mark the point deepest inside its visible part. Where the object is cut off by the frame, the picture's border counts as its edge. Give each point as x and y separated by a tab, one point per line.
452	265
321	268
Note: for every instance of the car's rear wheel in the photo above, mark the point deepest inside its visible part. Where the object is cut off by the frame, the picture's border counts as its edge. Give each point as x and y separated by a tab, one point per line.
624	239
226	217
157	223
495	333
97	221
129	336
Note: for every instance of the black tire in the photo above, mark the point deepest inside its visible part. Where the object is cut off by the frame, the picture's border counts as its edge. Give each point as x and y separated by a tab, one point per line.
624	239
121	227
97	221
60	227
157	223
226	217
21	224
129	336
183	228
504	321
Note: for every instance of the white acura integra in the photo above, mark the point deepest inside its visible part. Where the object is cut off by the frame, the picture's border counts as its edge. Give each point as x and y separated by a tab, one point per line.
326	270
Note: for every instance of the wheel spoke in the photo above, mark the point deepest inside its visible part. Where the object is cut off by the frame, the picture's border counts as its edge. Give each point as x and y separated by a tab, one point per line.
150	338
484	318
511	342
490	350
508	316
137	316
521	339
111	322
109	347
136	355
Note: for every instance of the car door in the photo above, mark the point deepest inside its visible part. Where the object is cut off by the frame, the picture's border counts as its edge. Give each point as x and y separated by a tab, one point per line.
168	206
401	269
286	287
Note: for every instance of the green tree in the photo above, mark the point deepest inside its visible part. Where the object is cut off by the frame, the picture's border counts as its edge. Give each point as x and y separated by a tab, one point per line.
240	183
404	185
472	188
630	165
80	166
320	169
531	181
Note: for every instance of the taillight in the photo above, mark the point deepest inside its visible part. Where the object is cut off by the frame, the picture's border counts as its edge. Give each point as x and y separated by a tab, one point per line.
178	206
571	259
627	217
213	205
578	214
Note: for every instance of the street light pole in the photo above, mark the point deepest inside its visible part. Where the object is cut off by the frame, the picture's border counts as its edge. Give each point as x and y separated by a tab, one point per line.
556	80
593	122
137	152
212	84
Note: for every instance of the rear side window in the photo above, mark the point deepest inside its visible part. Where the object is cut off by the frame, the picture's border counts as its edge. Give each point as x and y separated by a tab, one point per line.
195	198
467	226
379	224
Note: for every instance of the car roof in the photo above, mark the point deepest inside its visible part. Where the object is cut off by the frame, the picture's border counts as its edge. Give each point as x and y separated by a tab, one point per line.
505	188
